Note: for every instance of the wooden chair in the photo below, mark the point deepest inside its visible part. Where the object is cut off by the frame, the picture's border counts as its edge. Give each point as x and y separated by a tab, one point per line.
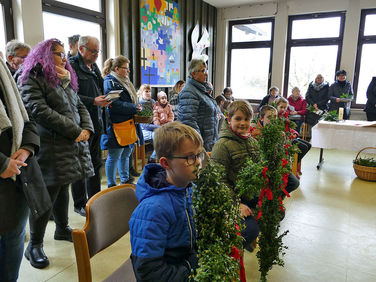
107	216
295	165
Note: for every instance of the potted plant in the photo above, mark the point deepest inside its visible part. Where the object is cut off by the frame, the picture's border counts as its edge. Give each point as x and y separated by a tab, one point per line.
144	116
365	168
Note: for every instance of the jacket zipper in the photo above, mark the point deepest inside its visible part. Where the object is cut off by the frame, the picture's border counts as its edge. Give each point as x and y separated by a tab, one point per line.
189	222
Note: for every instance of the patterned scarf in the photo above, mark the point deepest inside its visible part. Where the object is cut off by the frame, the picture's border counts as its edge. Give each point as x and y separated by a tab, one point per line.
127	85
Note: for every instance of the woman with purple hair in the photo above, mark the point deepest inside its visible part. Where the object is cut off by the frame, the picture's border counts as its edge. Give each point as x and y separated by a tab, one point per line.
48	87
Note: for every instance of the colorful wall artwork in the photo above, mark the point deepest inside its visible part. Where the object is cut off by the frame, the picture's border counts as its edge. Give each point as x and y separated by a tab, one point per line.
160	41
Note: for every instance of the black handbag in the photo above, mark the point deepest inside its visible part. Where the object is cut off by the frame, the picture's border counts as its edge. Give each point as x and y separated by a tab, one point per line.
312	118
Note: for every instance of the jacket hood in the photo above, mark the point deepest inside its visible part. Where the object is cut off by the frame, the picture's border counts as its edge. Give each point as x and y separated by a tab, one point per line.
153	181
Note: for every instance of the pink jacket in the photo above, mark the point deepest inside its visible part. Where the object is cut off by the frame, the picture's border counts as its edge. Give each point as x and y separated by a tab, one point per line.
162	115
300	105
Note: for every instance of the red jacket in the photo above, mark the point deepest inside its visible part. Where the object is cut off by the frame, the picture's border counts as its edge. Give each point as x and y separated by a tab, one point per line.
300	105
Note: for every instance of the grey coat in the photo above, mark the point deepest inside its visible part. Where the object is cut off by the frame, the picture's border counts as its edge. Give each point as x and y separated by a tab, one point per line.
60	116
198	109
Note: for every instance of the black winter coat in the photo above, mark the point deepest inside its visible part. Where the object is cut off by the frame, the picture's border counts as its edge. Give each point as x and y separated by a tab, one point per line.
371	97
319	97
265	101
90	86
60	116
36	193
335	91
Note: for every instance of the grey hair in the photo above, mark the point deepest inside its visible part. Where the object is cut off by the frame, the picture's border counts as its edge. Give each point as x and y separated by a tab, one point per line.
195	65
84	40
12	47
273	88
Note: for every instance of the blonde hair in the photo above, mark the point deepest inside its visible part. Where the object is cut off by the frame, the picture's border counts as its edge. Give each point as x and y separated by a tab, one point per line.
242	106
111	63
280	100
143	87
169	137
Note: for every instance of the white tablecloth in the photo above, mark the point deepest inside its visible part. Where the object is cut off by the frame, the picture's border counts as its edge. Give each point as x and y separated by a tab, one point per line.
349	135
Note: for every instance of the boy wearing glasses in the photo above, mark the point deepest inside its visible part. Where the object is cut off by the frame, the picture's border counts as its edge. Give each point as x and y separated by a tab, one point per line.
163	235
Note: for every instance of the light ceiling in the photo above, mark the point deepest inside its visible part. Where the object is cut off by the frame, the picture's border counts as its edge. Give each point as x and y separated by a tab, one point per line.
232	3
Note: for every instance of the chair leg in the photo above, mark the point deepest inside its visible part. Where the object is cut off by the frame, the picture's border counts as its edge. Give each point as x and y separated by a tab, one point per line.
295	165
135	158
142	156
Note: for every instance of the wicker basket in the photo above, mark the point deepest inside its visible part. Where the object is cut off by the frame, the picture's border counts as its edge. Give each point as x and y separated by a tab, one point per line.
365	172
142	119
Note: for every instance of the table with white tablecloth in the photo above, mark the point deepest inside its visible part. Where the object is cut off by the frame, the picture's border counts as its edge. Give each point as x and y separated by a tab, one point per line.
348	135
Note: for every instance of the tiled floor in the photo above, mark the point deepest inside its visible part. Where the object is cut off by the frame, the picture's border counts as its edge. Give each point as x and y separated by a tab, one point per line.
331	219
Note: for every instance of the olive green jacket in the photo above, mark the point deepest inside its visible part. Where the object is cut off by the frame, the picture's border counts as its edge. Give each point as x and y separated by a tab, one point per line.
232	152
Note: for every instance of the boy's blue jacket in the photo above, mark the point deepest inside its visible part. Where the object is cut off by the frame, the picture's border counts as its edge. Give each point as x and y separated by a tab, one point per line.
162	230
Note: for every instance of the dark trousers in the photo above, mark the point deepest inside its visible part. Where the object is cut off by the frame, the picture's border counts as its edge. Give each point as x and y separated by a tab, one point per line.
303	146
250	231
60	201
84	189
371	116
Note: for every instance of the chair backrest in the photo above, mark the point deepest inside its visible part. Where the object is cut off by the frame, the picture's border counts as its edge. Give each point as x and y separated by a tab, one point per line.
107	216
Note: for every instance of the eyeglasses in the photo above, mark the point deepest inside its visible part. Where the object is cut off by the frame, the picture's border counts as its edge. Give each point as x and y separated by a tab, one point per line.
60	54
22	57
203	71
123	68
92	50
191	159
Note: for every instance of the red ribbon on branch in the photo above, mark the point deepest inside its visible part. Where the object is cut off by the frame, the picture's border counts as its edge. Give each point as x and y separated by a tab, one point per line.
267	191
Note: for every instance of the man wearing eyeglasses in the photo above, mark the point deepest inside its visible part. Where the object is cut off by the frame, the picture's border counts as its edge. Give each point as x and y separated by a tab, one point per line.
16	52
90	90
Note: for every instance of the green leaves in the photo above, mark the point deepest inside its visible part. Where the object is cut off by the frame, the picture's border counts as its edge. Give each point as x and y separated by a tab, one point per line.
146	112
217	215
331	116
370	162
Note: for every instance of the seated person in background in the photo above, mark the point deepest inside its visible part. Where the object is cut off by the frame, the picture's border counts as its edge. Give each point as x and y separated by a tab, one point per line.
297	108
266	113
317	93
273	94
163	237
146	102
227	94
304	146
233	148
162	110
221	116
336	90
173	96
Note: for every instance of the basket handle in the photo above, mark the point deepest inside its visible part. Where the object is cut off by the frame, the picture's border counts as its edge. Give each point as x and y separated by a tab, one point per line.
363	150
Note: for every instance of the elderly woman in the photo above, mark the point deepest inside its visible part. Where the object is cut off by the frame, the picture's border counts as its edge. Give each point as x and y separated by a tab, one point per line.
297	107
268	99
115	73
48	88
317	93
337	90
196	107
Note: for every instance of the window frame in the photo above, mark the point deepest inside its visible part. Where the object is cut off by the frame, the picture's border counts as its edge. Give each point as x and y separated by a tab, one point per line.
312	42
71	11
362	39
8	19
250	45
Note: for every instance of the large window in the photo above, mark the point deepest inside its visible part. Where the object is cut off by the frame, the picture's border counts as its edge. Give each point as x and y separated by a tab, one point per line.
61	20
314	44
6	24
365	67
250	57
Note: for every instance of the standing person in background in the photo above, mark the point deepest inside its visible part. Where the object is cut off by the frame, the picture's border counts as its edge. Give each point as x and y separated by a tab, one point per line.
115	74
48	88
19	142
336	90
370	107
73	45
317	93
90	90
268	99
196	107
174	95
15	53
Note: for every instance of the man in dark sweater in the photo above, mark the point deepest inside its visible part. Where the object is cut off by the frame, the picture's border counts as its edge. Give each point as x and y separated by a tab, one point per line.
16	52
90	90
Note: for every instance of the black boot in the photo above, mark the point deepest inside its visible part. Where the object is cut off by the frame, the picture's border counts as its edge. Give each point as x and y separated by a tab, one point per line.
133	172
36	256
63	233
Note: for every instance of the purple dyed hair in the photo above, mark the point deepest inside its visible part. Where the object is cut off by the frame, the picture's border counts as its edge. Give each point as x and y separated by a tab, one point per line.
42	54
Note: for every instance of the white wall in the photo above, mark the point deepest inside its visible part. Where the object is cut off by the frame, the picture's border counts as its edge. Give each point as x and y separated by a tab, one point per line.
281	9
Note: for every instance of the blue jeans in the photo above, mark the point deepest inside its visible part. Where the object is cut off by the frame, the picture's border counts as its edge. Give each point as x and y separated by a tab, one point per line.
149	136
118	157
12	244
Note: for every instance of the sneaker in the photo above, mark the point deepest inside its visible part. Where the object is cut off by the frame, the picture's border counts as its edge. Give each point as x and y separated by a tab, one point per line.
81	211
134	172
